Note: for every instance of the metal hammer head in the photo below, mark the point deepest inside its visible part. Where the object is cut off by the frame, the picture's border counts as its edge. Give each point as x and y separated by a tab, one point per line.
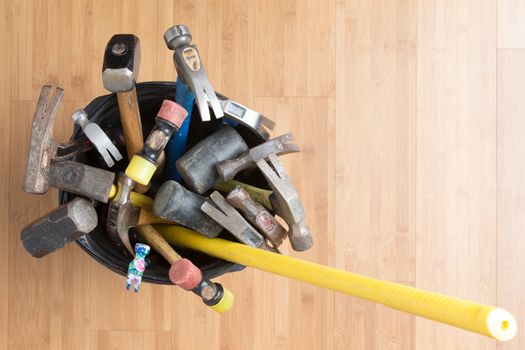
59	227
177	36
198	166
42	147
191	70
81	179
121	63
286	203
121	216
175	203
280	145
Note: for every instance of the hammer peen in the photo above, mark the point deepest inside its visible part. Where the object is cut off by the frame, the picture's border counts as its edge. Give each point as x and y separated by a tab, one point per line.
190	68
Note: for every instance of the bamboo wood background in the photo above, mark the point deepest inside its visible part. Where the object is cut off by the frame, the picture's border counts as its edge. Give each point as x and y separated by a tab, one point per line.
411	117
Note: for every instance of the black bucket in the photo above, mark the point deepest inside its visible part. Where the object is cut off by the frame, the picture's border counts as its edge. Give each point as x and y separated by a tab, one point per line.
104	111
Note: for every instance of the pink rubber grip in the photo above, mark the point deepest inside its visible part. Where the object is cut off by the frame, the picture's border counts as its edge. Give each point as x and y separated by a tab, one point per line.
172	112
184	274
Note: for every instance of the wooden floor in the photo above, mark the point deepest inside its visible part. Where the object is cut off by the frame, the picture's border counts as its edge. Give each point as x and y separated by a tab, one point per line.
411	117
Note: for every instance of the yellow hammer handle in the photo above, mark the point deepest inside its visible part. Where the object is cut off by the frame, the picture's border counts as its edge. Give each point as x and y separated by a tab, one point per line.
483	319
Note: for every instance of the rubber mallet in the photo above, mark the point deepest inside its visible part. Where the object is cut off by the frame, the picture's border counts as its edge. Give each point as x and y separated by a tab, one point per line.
168	121
186	275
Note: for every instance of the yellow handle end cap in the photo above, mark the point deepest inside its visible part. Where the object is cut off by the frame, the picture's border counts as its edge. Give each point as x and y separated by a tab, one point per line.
226	303
140	170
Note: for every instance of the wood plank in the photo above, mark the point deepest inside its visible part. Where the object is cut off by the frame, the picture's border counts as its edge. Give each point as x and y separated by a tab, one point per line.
394	105
294	42
118	309
223	31
283	318
48	295
29	282
511	26
130	340
456	157
511	190
375	164
5	105
135	17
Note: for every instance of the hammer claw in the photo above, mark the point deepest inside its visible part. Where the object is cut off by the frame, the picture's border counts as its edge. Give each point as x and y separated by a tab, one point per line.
42	146
202	104
229	218
214	101
227	169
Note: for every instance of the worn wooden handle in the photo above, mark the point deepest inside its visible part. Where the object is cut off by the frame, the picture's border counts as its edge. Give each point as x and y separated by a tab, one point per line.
130	119
131	126
154	239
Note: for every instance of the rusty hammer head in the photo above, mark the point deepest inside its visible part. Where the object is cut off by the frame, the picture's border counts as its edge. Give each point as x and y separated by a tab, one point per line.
122	215
280	145
42	146
47	168
121	63
286	203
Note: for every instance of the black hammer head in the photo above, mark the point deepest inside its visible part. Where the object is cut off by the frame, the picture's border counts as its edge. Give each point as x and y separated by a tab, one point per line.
121	63
198	166
42	147
59	227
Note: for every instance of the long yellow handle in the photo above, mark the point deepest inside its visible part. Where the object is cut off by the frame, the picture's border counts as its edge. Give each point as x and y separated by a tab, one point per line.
483	319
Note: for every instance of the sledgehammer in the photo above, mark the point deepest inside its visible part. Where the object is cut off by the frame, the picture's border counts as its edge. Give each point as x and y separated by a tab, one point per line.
487	320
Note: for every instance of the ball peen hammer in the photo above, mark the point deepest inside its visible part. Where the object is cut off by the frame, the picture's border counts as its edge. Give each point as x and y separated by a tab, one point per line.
190	68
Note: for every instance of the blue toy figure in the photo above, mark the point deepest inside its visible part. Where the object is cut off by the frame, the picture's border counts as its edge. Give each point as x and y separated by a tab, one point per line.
137	266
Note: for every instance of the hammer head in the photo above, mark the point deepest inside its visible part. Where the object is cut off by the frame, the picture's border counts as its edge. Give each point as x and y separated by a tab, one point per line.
42	147
121	216
177	36
121	63
59	227
198	166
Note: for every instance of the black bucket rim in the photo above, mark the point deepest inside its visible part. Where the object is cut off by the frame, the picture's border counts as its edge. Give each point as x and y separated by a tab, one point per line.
96	109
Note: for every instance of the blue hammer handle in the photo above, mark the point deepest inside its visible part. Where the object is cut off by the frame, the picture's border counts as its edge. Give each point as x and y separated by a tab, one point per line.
177	145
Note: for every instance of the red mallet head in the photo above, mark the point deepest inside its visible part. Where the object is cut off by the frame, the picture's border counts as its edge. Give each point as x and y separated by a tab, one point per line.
184	274
172	112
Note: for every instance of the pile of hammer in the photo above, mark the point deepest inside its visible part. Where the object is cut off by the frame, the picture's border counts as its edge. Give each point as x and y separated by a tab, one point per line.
194	187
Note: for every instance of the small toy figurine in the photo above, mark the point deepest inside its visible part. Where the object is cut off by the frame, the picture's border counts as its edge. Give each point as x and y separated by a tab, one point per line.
137	266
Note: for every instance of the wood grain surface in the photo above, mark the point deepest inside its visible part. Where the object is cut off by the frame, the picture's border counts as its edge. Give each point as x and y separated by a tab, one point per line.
411	119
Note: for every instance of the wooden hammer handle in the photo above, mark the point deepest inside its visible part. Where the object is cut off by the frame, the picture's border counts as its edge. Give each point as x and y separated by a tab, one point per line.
154	239
130	119
131	126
